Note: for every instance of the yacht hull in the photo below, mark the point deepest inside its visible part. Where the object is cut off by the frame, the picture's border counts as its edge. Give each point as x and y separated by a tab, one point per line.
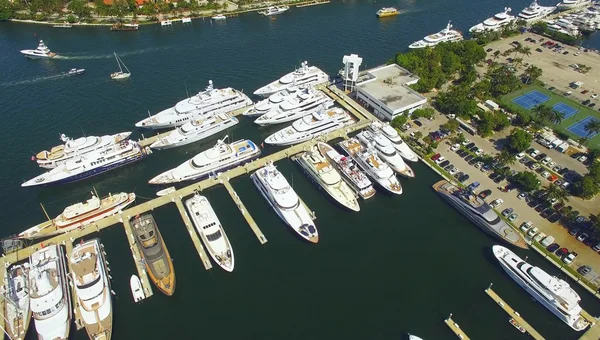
163	145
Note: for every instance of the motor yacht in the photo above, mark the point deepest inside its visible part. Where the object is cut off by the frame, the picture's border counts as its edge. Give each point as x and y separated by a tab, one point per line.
211	231
219	17
318	124
219	158
17	312
304	76
496	22
446	35
42	51
390	133
211	101
386	151
304	103
284	200
195	130
271	103
274	10
75	71
563	26
535	12
571	4
387	12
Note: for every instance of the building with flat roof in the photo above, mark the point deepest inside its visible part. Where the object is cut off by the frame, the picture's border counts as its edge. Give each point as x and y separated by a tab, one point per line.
385	90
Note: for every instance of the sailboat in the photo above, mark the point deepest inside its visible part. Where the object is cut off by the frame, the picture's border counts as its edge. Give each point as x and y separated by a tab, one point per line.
120	74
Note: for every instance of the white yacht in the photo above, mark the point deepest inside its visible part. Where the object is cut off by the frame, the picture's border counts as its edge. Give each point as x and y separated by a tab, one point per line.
271	103
445	35
195	130
49	294
368	160
495	23
210	101
386	151
584	24
305	75
357	180
319	170
564	26
535	12
92	164
284	200
91	279
553	293
219	158
211	231
76	147
390	133
42	51
274	10
571	4
17	313
304	103
307	127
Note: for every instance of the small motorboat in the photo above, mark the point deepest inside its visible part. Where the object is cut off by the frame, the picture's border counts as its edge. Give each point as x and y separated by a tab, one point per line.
75	71
63	25
166	191
186	20
136	288
517	325
219	17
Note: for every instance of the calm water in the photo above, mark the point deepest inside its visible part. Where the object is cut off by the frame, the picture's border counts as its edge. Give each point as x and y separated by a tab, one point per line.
401	264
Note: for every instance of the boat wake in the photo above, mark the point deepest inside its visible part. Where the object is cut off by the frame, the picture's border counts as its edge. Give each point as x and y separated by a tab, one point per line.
34	80
83	56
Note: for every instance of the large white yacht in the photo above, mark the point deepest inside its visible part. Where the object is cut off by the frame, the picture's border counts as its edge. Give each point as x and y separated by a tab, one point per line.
274	10
90	276
535	12
390	133
553	293
210	101
495	23
219	158
319	123
302	104
284	200
305	75
211	231
92	164
386	151
270	103
42	51
445	35
76	148
195	130
564	26
570	4
49	294
17	313
319	170
368	160
357	180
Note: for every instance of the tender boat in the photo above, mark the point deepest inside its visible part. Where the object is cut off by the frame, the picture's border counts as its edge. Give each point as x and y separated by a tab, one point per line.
49	293
166	191
81	214
318	124
386	151
120	26
154	252
517	325
17	312
186	20
211	101
390	133
166	23
535	12
76	71
284	200
320	171
304	76
90	276
219	158
42	51
304	103
120	74
211	231
495	23
219	17
413	337
195	130
271	103
359	182
446	35
387	12
136	288
274	10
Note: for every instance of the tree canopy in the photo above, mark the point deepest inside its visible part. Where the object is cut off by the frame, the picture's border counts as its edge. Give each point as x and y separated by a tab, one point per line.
527	180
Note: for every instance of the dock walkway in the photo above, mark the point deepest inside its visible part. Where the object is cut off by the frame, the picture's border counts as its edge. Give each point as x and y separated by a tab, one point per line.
454	327
137	258
193	234
242	208
513	314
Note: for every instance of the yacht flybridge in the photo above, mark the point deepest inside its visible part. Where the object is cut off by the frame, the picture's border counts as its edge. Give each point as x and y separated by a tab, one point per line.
535	12
446	35
42	51
305	102
495	23
305	75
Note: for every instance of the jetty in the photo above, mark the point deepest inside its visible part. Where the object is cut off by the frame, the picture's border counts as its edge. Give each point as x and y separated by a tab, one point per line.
74	297
513	314
455	328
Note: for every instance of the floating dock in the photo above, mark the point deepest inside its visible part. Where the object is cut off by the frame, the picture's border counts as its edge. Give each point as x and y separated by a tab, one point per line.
242	208
593	333
513	314
454	327
193	234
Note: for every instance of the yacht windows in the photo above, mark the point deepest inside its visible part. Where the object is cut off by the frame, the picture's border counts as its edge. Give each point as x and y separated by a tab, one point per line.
214	236
51	309
88	285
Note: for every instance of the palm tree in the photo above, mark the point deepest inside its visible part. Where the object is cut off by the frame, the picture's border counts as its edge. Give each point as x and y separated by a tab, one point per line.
517	49
532	73
543	113
556	117
525	51
582	141
554	191
592	127
496	54
518	61
505	158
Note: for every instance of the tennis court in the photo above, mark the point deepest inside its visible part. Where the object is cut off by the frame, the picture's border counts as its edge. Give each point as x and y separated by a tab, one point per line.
565	109
579	127
531	99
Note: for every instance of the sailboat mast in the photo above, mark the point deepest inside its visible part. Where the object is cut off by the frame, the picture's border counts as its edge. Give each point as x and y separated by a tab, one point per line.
118	63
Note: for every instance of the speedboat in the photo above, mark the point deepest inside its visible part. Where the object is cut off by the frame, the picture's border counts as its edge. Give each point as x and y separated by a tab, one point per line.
211	231
49	293
271	103
42	51
219	158
186	20
318	124
73	148
195	130
535	12
305	75
211	101
284	200
304	103
274	10
90	277
387	12
166	22
386	151
92	164
390	133
76	71
570	4
320	171
494	23
136	288
445	35
17	312
63	25
219	17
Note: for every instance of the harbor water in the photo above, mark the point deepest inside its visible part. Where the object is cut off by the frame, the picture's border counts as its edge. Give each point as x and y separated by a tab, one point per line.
401	264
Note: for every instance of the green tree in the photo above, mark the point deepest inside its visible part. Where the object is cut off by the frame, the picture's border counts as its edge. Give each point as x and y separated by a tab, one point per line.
428	113
399	121
80	8
582	141
496	54
452	125
586	187
592	127
505	158
6	10
531	74
543	113
519	140
527	180
525	51
458	101
556	192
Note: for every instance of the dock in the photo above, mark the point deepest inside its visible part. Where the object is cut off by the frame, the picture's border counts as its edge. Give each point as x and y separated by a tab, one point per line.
312	3
513	314
454	327
137	258
76	313
593	333
193	234
242	208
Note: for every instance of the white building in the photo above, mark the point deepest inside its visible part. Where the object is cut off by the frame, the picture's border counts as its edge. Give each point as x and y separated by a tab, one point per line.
492	105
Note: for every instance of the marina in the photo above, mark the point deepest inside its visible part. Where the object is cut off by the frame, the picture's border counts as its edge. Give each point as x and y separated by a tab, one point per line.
513	314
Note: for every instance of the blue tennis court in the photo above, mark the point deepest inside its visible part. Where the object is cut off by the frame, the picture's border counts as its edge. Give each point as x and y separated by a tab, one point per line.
531	99
564	108
579	127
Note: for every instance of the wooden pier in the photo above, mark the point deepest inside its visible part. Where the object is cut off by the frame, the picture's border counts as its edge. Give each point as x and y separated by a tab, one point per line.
193	234
71	278
513	314
137	258
242	208
454	327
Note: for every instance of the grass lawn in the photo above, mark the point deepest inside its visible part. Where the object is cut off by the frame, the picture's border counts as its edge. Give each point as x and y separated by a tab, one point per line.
584	111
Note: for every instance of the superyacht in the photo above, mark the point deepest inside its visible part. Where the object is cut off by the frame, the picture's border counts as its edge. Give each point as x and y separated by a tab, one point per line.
571	4
304	103
219	158
211	231
386	151
445	35
553	293
210	101
42	51
479	212
304	76
321	172
495	23
535	12
270	103
284	200
308	127
390	133
17	313
195	130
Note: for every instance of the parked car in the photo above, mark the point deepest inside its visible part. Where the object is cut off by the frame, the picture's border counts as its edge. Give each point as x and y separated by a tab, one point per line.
485	193
522	195
520	156
496	203
582	159
562	252
513	217
553	247
440	159
582	237
435	157
526	226
574	231
507	211
464	178
533	231
444	163
458	174
455	147
534	153
473	186
584	270
570	257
